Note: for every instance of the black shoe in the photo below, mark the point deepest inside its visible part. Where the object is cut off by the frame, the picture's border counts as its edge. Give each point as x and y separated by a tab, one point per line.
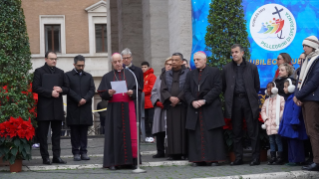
47	161
254	162
85	157
169	158
215	164
237	162
112	168
174	158
312	167
77	157
159	156
280	159
195	164
273	158
309	161
58	160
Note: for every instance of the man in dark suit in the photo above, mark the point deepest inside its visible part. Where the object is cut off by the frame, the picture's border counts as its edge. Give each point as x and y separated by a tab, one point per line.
241	85
127	63
79	107
49	83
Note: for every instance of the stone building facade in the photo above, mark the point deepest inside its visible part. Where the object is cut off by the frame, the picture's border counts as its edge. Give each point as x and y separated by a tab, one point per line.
152	29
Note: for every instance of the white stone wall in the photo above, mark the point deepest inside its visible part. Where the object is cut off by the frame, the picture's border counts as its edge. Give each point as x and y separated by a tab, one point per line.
152	29
180	27
155	33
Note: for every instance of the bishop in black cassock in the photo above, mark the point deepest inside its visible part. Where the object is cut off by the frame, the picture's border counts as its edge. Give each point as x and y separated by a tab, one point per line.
120	146
204	113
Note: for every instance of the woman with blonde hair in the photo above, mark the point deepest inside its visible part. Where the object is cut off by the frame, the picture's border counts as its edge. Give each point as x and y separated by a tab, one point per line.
159	120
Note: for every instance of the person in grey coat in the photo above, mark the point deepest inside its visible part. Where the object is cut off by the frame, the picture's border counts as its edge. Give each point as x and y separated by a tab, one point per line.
159	120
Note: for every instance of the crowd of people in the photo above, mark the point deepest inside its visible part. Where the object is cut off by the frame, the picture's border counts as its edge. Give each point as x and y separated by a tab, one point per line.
183	110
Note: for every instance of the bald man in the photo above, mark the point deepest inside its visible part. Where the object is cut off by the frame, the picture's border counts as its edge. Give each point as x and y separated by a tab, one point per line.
205	119
120	146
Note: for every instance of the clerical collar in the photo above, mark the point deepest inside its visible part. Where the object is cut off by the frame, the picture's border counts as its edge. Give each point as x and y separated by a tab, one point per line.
52	69
119	71
200	70
130	65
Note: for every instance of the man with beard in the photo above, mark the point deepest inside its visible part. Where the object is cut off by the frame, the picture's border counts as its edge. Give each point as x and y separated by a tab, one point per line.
205	119
120	146
79	107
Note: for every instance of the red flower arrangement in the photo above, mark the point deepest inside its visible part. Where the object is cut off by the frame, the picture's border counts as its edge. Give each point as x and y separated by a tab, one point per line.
15	139
17	128
16	133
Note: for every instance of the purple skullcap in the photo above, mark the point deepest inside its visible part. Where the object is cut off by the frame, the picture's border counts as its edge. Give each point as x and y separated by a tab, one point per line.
116	53
201	52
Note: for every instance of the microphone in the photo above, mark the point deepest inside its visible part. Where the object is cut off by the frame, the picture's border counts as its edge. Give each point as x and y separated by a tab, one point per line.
138	169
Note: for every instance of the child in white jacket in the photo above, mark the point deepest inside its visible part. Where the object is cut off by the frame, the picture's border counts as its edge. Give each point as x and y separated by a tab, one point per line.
271	113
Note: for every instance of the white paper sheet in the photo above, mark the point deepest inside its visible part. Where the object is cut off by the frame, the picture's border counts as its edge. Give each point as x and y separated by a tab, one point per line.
119	86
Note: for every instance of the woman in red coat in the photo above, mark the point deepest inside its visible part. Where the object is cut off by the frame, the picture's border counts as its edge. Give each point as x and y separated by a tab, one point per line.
149	81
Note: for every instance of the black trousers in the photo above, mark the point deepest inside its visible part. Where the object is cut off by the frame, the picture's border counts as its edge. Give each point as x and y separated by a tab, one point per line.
308	149
149	114
160	139
241	110
43	129
102	124
79	139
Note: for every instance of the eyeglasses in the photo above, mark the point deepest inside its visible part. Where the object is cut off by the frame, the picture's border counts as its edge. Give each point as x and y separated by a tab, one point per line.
80	65
53	59
126	58
168	64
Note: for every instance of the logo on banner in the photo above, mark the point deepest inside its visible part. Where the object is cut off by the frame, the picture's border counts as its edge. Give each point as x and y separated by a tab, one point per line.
273	27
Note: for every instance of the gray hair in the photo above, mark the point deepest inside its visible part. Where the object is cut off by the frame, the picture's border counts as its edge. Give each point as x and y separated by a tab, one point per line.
203	55
126	51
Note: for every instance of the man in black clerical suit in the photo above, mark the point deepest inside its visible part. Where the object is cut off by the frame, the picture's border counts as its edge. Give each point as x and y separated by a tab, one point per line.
49	83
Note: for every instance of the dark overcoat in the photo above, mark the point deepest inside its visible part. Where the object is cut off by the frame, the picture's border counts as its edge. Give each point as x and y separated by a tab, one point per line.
310	89
139	75
80	86
209	87
251	82
49	108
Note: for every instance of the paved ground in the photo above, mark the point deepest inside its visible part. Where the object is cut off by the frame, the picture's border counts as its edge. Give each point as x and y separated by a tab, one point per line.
160	172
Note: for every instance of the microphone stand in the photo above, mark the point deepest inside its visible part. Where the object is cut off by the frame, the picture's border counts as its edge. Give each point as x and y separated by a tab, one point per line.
138	169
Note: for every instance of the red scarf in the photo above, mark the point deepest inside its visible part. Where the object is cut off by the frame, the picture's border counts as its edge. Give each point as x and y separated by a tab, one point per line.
277	73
